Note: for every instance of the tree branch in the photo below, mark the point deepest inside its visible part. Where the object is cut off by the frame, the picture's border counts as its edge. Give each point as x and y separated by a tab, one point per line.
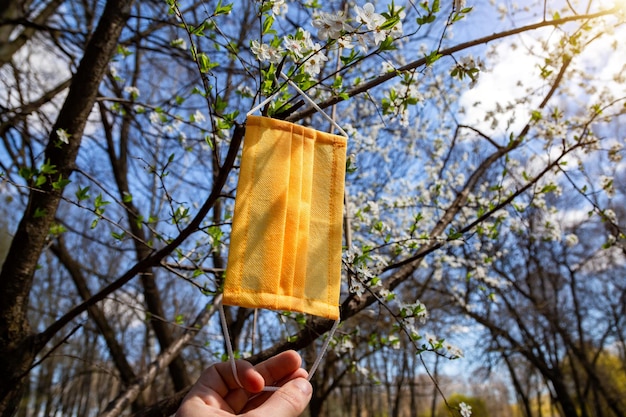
367	86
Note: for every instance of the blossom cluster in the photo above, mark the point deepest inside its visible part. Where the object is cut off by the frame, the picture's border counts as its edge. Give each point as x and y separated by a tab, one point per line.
465	409
365	27
366	266
398	100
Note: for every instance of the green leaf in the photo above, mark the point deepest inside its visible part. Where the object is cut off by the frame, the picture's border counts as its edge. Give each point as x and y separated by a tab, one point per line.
535	115
457	17
82	193
39	212
425	19
199	30
390	23
139	221
216	234
267	25
209	141
48	168
205	63
26	173
57	229
387	45
432	57
548	188
100	202
122	50
453	234
349	59
220	104
223	9
60	183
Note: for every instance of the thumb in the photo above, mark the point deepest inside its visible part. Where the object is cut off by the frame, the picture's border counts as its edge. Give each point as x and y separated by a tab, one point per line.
289	401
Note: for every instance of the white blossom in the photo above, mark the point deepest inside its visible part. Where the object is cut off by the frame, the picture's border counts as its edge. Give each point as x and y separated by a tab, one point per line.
610	215
345	42
295	46
113	71
266	53
313	64
379	36
363	42
179	43
345	345
606	183
357	288
465	410
279	7
330	25
132	90
198	117
571	240
394	341
454	351
615	152
367	16
63	136
363	370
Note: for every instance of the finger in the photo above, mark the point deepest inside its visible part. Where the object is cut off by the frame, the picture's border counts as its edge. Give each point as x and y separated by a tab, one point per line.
289	401
217	381
280	367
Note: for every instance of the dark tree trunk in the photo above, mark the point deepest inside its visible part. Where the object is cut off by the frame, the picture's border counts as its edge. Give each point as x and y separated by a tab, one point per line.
18	346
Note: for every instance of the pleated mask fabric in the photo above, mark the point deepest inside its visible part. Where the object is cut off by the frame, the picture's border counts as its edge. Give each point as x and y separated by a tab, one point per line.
285	249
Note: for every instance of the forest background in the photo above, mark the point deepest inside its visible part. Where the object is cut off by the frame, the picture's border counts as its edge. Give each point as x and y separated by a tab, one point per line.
484	227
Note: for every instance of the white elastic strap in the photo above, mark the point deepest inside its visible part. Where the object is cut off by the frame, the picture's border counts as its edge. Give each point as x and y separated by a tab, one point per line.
322	352
229	346
305	97
231	356
263	103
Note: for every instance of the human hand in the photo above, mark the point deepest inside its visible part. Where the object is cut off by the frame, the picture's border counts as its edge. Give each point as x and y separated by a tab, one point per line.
217	394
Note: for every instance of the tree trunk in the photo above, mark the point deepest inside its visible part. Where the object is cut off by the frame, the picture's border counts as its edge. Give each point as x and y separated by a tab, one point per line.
18	346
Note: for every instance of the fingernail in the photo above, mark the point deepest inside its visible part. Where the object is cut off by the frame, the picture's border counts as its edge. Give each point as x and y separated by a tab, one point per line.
303	385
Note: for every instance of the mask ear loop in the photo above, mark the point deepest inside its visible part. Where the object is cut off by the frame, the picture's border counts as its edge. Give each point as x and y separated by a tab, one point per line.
306	98
231	355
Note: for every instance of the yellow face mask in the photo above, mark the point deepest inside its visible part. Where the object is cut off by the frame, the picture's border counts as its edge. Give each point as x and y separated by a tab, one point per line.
285	249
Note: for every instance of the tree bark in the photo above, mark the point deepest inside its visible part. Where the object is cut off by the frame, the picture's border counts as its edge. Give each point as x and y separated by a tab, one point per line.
18	346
